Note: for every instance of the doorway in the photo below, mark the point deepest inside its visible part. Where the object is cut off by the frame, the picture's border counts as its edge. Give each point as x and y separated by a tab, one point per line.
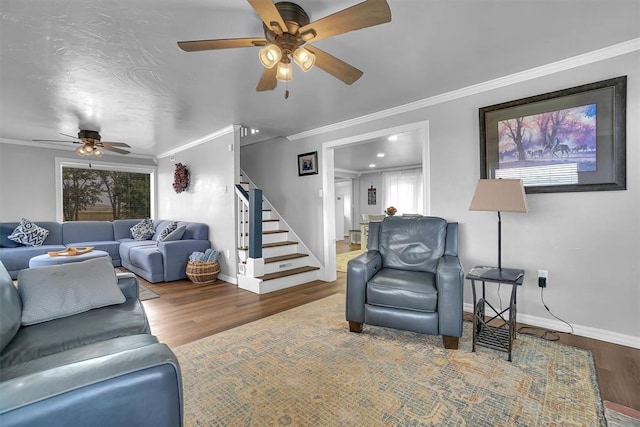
329	190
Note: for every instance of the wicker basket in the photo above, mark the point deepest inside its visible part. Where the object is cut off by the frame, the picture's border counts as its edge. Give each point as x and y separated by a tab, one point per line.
202	272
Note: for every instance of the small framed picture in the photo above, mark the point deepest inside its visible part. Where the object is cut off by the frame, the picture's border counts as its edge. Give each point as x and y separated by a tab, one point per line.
308	163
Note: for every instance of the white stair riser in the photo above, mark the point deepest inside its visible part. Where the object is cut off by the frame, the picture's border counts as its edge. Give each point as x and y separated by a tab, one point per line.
288	264
287	282
275	238
270	225
271	252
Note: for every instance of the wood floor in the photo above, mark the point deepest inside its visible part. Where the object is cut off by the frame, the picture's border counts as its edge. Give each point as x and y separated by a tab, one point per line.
186	312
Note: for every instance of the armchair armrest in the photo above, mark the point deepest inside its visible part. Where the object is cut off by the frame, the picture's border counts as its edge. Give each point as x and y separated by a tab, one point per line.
359	270
450	282
175	255
128	284
130	380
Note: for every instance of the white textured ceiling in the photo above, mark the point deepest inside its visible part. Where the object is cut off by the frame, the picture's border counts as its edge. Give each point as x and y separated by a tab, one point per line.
114	66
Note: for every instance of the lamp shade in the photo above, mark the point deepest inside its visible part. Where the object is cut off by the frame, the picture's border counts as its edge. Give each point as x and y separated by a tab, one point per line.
270	55
285	70
499	195
304	59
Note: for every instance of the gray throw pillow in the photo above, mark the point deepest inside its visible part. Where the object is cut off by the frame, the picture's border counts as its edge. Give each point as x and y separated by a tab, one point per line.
64	290
143	230
167	230
174	235
10	308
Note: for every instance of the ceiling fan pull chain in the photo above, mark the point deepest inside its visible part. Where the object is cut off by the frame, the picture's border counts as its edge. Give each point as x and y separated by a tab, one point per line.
286	91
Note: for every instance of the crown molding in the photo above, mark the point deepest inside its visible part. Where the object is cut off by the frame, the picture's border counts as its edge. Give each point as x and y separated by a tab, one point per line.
523	76
210	137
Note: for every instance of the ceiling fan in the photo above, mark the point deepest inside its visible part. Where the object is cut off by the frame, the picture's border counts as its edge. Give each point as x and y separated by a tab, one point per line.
91	143
287	31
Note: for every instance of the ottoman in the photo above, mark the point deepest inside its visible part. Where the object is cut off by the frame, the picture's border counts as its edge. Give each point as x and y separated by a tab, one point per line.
44	260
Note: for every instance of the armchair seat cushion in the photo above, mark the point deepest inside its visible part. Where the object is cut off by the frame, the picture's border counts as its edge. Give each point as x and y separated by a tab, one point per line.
403	289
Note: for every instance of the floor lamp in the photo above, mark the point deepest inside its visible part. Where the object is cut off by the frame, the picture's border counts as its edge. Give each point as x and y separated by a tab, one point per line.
499	195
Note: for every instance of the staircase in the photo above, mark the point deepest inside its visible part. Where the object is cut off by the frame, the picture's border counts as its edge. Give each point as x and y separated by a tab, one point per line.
284	262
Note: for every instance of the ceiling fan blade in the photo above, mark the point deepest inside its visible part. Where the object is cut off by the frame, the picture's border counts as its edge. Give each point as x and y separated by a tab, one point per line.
70	136
268	80
116	150
269	14
114	144
362	15
54	140
334	66
197	45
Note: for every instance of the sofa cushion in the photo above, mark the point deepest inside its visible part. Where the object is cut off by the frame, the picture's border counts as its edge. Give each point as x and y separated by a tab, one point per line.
143	230
43	339
15	259
128	244
410	290
86	231
111	247
5	242
10	308
28	233
64	290
147	258
174	235
164	232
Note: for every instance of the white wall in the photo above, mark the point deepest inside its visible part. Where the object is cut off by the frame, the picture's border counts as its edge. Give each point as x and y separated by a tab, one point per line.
210	198
27	179
589	242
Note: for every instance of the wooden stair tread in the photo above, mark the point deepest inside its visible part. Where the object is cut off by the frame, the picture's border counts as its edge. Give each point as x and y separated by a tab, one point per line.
287	273
271	245
275	231
284	258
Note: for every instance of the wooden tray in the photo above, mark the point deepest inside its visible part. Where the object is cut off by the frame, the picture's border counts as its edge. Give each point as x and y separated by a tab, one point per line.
72	251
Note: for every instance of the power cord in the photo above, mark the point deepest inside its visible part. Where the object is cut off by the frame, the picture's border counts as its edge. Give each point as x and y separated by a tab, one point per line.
548	335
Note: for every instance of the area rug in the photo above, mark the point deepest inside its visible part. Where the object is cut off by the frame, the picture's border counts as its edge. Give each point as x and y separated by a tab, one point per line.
146	293
343	259
303	367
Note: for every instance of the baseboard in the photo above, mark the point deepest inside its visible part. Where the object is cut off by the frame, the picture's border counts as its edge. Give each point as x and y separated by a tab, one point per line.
583	331
229	279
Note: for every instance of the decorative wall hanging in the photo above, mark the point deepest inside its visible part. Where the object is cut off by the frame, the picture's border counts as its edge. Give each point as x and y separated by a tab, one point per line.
371	196
308	163
568	140
180	178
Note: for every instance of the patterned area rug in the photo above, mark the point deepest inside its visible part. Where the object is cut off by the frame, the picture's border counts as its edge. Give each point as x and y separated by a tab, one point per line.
146	293
343	259
303	367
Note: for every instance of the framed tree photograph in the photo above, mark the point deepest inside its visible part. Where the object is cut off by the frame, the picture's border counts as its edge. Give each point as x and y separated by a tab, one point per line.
308	163
569	140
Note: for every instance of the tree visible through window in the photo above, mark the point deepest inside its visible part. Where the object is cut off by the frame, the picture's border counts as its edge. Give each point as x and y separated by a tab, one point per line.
93	194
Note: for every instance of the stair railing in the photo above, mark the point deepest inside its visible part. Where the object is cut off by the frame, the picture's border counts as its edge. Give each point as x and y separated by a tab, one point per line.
250	221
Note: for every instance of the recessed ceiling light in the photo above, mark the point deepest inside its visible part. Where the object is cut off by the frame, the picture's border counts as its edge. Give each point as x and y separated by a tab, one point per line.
380	154
372	165
393	138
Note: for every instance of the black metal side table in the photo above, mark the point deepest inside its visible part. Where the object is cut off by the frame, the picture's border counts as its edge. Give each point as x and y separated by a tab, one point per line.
484	334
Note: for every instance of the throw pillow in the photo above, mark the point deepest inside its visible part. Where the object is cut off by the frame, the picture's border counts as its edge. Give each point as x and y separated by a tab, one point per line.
143	230
59	291
174	235
10	308
5	232
167	230
29	234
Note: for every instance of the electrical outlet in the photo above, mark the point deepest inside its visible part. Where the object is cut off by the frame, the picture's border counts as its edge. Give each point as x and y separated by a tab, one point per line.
543	276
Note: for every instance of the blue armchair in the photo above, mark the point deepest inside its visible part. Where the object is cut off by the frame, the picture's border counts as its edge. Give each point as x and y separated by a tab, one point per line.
410	278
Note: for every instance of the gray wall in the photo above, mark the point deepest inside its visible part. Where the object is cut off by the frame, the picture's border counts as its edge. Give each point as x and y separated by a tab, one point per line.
589	242
27	179
210	196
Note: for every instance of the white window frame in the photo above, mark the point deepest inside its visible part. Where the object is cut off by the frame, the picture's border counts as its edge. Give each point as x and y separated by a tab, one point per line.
120	167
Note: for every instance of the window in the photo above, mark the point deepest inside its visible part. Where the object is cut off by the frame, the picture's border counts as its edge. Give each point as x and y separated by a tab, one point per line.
103	192
404	191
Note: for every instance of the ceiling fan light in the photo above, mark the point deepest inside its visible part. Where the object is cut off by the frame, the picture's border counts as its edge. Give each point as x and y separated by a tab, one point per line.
97	152
80	150
88	148
304	59
270	55
285	71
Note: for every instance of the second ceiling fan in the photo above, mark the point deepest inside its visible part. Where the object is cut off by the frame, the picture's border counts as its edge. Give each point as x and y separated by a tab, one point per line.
287	31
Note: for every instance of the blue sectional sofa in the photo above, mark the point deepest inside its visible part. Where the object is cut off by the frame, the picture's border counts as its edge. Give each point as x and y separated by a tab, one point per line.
152	260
